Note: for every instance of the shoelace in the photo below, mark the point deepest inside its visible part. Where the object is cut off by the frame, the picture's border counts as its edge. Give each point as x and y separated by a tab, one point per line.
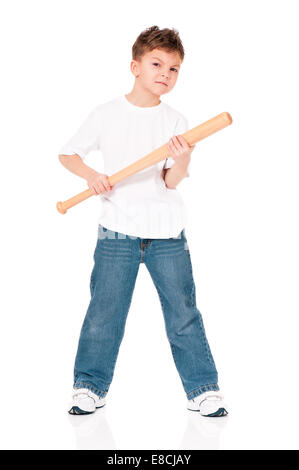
211	397
81	392
84	392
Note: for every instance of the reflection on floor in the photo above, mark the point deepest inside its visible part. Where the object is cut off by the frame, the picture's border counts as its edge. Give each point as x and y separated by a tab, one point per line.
93	431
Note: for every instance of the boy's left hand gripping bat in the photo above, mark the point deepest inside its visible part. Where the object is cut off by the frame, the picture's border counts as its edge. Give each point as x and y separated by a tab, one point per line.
192	136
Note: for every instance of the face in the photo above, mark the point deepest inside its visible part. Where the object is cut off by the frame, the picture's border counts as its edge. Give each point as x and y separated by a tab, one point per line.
158	70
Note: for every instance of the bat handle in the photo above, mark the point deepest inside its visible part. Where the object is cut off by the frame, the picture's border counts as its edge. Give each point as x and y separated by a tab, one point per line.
62	207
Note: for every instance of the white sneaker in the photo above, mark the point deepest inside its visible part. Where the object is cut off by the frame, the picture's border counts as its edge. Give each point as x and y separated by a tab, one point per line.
208	404
85	402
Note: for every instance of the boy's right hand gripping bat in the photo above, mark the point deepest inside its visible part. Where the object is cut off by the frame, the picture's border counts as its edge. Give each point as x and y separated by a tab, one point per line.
192	136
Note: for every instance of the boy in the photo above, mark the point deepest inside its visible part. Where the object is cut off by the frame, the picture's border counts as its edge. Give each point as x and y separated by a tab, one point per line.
142	221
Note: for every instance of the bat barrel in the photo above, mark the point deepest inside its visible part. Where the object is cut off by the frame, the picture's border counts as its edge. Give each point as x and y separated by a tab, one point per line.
208	128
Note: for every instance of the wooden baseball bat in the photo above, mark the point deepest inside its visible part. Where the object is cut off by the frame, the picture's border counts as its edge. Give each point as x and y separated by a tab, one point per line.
192	136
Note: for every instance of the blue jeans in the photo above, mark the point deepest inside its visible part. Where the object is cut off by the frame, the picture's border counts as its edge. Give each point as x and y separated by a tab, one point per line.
116	262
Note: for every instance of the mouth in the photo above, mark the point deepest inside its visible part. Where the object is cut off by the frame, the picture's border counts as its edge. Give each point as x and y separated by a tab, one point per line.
162	83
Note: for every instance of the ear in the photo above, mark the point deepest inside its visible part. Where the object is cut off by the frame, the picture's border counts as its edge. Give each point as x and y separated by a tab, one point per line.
135	67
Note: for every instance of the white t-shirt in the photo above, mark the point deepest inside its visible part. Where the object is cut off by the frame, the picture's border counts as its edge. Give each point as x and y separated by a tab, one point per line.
140	205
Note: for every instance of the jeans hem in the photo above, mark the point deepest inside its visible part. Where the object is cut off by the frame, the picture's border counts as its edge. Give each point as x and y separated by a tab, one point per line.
203	388
92	388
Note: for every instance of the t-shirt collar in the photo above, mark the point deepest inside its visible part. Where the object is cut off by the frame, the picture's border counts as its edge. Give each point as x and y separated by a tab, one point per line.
141	109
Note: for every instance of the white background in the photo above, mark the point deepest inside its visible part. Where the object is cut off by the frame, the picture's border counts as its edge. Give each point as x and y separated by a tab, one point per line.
59	59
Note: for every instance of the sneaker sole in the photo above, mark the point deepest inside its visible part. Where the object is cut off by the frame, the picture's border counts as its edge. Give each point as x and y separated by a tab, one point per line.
75	410
217	414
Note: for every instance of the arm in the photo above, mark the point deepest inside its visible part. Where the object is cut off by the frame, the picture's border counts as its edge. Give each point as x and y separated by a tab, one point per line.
174	175
180	151
75	164
73	153
97	182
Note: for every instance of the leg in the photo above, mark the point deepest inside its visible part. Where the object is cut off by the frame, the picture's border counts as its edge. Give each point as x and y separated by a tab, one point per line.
116	264
169	264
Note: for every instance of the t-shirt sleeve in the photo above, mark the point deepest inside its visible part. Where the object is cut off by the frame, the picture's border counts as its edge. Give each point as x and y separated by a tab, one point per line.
180	128
87	137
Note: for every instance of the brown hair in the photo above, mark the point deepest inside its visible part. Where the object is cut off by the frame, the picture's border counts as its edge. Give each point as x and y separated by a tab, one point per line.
156	38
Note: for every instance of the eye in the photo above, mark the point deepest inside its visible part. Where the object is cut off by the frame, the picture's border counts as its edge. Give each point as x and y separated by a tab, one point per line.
156	63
